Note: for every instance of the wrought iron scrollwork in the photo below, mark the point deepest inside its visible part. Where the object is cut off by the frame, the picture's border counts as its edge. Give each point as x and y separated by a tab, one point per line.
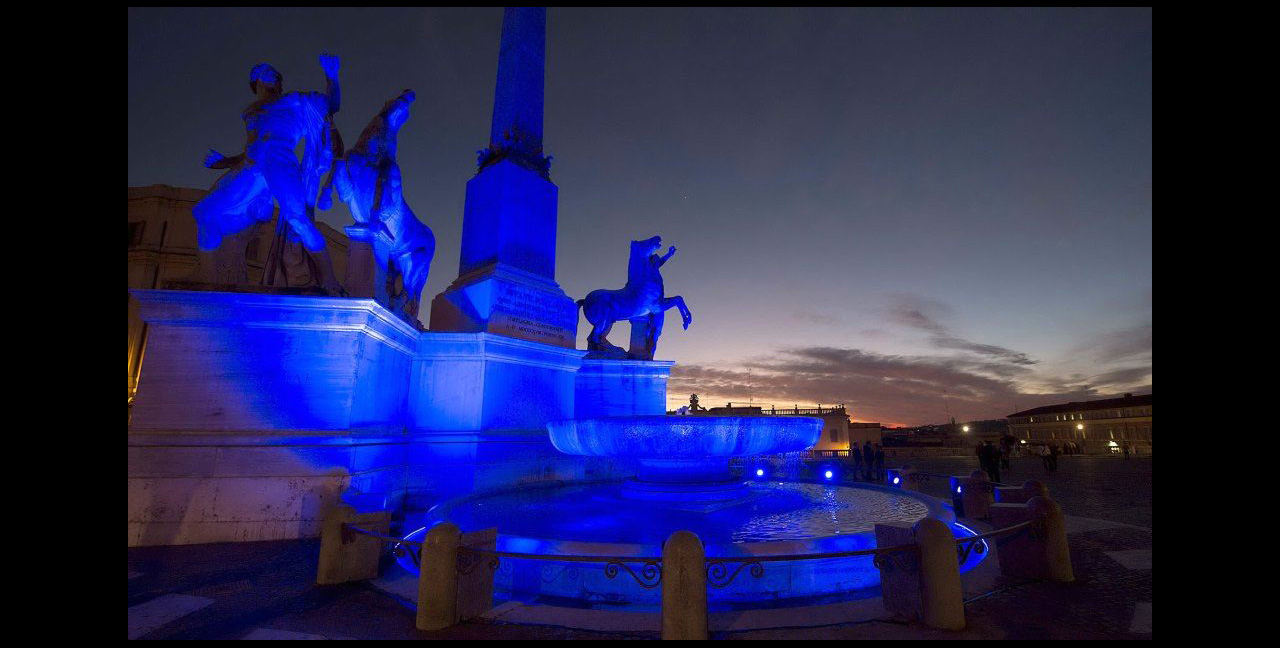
400	551
650	575
970	545
719	576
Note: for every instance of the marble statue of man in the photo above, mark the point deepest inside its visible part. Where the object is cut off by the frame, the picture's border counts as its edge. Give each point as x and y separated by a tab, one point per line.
275	123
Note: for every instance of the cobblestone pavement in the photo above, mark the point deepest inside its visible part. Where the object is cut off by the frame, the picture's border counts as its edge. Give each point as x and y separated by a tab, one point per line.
267	590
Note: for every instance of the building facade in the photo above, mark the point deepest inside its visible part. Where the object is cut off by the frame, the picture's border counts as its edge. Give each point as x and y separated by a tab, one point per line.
162	248
1098	427
838	432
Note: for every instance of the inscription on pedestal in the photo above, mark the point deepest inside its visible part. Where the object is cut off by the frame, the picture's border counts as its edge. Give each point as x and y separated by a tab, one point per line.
535	315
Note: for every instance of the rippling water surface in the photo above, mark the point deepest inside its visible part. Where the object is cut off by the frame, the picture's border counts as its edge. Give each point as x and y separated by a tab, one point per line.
772	511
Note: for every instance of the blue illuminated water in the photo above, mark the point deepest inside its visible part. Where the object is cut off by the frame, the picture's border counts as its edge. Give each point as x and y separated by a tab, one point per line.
601	513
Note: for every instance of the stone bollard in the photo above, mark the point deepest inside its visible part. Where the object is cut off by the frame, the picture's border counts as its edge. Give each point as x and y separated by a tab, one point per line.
1040	552
350	556
684	587
911	480
901	478
926	588
438	578
941	594
976	495
955	487
899	573
1020	494
1057	554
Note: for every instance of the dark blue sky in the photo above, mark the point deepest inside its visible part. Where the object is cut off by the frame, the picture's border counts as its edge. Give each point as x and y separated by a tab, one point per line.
871	206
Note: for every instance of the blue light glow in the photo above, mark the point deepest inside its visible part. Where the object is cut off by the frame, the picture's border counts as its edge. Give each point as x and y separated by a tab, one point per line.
897	480
828	474
759	472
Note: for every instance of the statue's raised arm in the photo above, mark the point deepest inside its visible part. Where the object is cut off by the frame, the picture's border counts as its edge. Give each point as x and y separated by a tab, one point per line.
330	63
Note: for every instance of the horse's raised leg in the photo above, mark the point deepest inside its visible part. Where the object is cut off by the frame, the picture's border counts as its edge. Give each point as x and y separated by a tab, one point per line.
678	302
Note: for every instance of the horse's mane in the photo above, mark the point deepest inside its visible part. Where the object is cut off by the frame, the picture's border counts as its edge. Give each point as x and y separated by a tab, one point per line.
377	126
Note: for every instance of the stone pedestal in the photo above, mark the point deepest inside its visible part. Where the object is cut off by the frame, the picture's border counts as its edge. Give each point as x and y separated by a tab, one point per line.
366	278
506	273
621	387
484	383
504	300
256	414
254	362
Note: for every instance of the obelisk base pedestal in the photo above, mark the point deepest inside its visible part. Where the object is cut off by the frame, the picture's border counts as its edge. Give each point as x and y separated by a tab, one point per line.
502	300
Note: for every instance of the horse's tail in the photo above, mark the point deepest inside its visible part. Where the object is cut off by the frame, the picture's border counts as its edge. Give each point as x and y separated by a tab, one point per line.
582	305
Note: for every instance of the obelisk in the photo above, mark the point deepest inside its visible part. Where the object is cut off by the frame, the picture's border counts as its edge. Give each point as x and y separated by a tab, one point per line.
506	272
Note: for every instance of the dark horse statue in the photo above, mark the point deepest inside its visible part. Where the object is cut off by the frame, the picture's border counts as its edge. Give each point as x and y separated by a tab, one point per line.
368	181
641	302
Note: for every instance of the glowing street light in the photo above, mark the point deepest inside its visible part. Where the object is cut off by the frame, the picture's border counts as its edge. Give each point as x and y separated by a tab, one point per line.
964	429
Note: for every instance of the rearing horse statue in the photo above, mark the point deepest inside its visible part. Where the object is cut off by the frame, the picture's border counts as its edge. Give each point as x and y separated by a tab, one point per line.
641	302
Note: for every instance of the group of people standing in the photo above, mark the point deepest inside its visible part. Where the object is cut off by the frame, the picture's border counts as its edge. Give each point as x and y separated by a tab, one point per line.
991	458
868	461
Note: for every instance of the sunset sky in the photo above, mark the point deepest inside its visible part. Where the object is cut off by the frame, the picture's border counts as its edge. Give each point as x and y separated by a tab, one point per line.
913	212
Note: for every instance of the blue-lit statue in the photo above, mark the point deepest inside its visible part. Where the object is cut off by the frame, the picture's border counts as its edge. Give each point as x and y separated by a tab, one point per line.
641	302
269	169
368	181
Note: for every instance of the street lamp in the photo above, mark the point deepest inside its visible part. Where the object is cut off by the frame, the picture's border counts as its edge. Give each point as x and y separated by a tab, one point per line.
964	429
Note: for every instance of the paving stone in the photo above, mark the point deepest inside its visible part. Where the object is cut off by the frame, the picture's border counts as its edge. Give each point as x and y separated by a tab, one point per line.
149	616
1141	619
269	634
1132	558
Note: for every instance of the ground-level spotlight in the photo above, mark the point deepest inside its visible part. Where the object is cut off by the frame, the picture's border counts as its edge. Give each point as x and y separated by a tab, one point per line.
828	474
897	480
759	472
957	489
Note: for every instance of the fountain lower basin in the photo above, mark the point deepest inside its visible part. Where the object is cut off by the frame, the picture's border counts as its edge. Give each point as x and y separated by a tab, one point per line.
775	518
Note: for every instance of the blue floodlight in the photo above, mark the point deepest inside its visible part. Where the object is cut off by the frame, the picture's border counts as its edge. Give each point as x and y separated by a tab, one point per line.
759	472
828	474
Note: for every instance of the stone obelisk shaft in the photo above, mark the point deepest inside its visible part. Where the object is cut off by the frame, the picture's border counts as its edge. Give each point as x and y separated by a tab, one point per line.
517	101
507	265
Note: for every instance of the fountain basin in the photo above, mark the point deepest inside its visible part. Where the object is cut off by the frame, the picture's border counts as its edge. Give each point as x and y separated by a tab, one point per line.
778	518
684	458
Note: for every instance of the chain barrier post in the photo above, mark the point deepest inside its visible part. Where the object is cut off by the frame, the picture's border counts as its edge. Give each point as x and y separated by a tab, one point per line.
976	495
899	572
684	587
1038	552
1020	494
345	555
1053	534
438	578
941	594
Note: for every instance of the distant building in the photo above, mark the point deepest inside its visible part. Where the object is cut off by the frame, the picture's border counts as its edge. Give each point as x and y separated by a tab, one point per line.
162	247
1100	426
837	430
